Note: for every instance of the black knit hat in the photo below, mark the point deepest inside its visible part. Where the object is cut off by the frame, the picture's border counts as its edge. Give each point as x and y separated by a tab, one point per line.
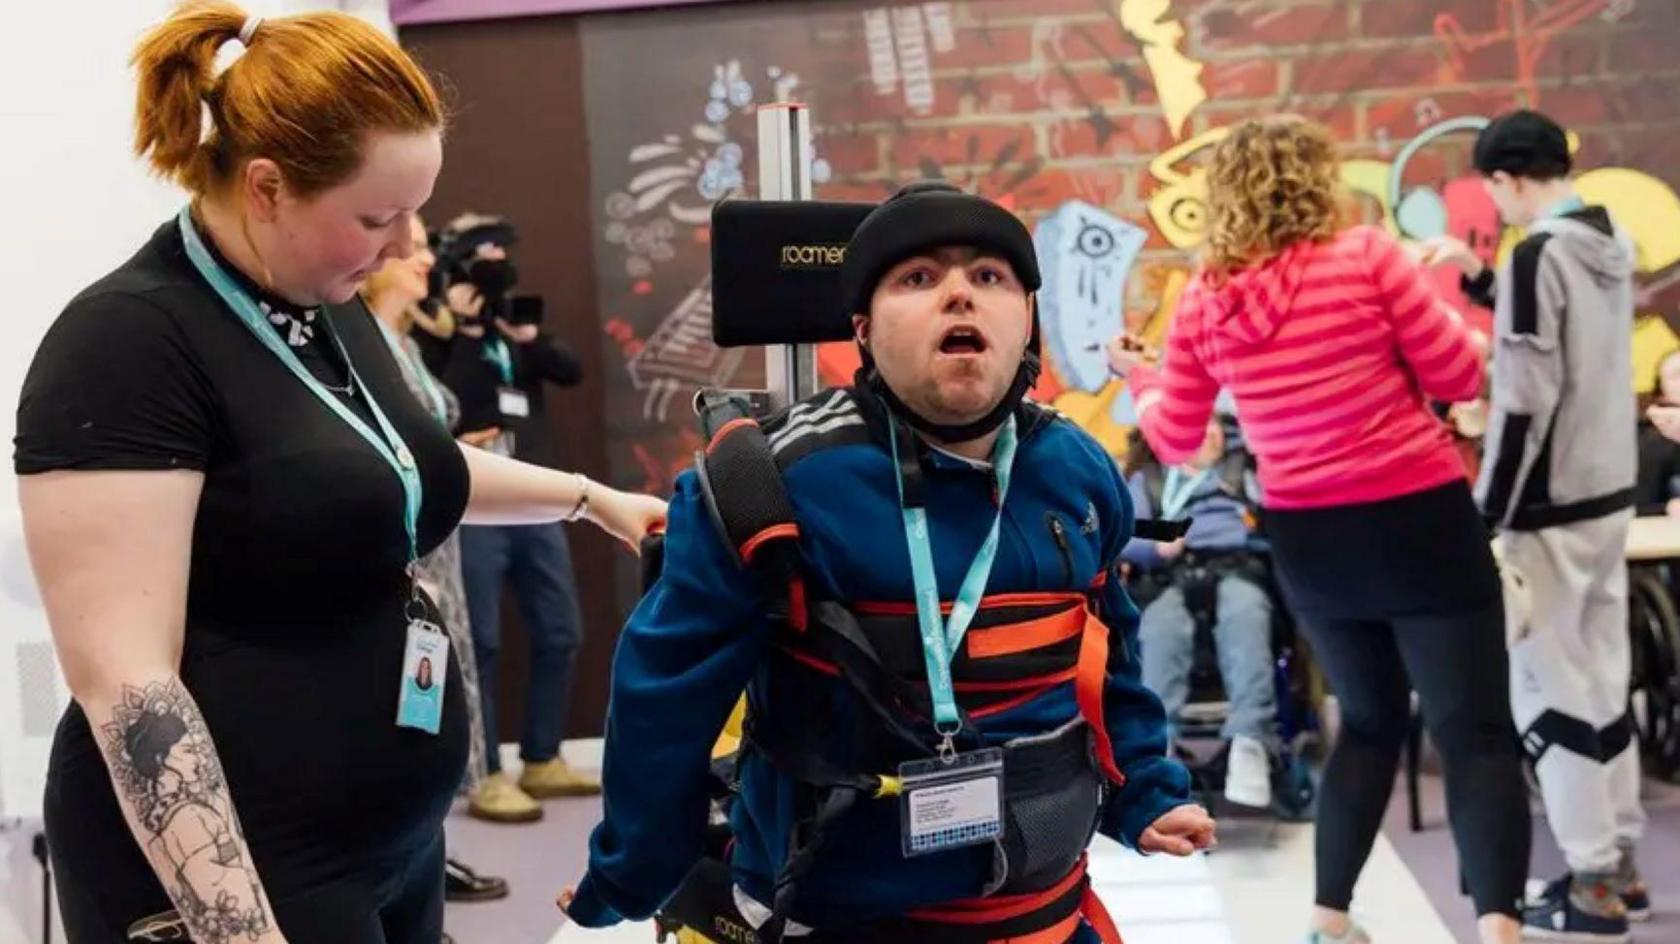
923	216
1523	143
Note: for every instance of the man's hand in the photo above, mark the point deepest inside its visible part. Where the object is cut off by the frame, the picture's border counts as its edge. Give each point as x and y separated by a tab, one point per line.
464	298
565	900
1666	419
1170	550
518	334
1127	353
1451	249
479	438
1180	832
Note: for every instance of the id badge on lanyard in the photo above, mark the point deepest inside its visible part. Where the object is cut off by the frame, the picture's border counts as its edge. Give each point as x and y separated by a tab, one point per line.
955	799
510	400
387	442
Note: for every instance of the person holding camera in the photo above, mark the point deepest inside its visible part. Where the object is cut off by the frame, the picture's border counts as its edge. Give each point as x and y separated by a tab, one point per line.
497	362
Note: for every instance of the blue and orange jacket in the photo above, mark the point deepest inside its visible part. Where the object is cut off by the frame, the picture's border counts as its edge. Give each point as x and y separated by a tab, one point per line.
702	634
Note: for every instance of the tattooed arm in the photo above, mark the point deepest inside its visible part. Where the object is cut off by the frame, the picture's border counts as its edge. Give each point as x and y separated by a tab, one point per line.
111	551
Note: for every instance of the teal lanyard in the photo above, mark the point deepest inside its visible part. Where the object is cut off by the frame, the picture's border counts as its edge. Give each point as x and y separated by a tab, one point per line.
939	642
1564	207
496	352
1177	492
391	447
434	397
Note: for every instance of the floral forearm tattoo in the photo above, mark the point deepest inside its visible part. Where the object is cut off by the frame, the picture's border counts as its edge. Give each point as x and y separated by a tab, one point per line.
166	770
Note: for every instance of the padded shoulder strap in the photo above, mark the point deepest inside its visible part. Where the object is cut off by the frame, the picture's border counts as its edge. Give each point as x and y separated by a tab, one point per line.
745	495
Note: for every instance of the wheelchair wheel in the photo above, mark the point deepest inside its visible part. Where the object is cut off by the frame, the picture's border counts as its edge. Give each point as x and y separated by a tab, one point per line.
1654	690
1294	789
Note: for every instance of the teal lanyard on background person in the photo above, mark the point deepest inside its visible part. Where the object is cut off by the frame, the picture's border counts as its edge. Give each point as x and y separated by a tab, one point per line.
942	638
434	397
1564	207
1177	492
390	447
496	352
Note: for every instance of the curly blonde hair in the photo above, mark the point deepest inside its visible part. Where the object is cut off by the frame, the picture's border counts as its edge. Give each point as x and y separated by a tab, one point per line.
1272	183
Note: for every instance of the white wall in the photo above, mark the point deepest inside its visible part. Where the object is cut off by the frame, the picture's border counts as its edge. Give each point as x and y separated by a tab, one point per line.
75	204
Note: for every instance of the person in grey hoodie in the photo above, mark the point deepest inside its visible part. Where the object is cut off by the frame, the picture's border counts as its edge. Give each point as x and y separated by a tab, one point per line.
1557	479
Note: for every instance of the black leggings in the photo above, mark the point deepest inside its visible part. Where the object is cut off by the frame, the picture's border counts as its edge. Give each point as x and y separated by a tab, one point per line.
1457	664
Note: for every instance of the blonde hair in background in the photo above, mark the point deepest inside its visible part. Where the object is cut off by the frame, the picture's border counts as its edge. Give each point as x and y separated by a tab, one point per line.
377	284
1272	183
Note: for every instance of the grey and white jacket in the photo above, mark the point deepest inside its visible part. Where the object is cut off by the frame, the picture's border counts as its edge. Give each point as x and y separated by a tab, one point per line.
1560	444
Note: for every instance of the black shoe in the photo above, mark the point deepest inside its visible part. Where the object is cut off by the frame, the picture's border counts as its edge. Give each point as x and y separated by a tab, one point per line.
1554	917
463	884
1638	900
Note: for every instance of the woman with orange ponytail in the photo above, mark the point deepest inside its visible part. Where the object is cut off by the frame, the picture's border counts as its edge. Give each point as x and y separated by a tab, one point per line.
226	486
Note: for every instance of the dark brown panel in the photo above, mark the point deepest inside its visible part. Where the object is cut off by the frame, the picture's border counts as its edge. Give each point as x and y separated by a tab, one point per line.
517	148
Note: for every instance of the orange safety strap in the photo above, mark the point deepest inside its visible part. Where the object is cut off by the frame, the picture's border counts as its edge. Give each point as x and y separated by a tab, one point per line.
1088	687
1000	907
1092	910
908	608
1012	638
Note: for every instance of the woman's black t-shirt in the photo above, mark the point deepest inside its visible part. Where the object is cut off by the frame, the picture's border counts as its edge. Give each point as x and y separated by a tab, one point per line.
295	624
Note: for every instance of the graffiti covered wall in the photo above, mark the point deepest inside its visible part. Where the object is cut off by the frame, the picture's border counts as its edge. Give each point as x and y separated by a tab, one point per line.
1089	119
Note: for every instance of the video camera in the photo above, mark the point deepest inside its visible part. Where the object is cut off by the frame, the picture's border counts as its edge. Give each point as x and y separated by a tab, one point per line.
456	247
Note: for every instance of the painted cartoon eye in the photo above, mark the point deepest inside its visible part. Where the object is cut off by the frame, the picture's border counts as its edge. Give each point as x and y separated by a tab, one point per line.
1094	241
1189	213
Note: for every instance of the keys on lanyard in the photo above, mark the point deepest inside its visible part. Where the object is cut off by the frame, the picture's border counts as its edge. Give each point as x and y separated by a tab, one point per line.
955	800
387	442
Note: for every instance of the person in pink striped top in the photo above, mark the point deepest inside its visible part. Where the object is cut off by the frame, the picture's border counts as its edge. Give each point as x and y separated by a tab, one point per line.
1333	343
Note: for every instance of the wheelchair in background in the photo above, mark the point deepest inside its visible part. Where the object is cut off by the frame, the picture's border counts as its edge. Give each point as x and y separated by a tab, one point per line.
1298	739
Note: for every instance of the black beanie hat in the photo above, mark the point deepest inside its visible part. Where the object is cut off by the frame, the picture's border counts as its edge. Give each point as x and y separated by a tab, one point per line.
923	216
1523	143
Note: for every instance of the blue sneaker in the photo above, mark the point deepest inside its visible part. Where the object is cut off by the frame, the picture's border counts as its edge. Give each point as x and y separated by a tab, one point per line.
1554	916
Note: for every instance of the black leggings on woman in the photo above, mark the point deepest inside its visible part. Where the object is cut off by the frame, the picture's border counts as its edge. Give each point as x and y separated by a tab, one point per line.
1398	595
1457	664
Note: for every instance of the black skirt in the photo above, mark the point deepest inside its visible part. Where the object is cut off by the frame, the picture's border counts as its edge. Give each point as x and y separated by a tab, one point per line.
1427	552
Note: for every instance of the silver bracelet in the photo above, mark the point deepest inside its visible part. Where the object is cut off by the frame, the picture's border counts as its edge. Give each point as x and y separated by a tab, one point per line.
582	505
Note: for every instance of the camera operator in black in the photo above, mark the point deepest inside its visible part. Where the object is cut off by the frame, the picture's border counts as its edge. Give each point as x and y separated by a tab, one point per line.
498	368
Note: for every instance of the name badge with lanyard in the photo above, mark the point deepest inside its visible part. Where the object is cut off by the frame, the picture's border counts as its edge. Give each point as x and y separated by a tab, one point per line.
511	400
426	656
955	799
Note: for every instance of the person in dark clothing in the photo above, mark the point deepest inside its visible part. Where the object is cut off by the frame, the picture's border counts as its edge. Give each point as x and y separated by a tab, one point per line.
498	370
225	487
1658	486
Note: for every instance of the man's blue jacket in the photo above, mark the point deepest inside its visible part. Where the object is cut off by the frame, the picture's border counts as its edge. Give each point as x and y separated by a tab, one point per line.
701	635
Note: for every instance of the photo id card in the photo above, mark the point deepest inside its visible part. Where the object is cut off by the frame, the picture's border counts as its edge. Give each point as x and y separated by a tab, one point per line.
951	805
513	402
425	668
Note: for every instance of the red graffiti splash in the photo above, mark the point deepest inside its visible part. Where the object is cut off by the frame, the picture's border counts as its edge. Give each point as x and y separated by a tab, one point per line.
619	330
1531	32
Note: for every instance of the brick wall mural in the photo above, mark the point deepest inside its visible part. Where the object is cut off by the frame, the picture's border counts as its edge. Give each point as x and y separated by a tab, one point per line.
1090	119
